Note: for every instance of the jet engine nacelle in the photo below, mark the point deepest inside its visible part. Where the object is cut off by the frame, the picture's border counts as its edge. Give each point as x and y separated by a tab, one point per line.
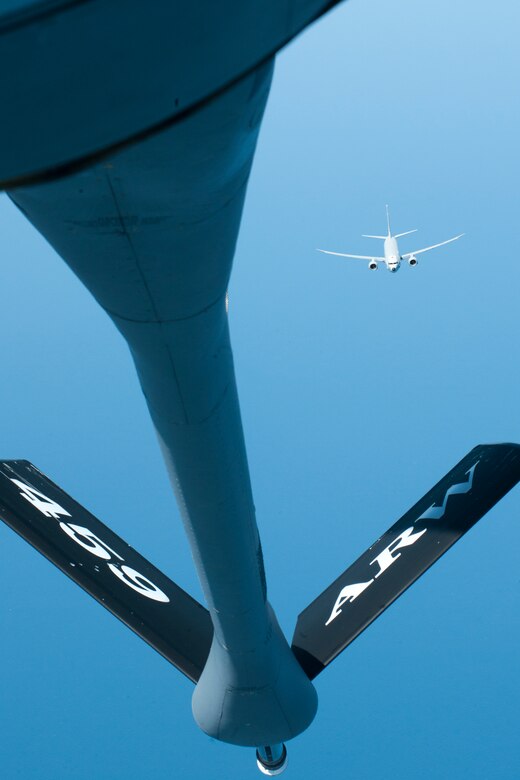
412	260
373	265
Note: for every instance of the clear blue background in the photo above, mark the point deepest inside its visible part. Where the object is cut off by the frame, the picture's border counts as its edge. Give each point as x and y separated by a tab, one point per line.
359	390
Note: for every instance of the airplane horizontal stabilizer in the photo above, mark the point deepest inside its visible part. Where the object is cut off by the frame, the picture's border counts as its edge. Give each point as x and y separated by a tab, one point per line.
333	620
107	567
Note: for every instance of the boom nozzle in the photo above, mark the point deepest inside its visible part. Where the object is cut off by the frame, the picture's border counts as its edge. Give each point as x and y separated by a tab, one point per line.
271	759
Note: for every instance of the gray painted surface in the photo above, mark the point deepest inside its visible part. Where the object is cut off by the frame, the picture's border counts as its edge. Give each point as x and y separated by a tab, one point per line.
152	232
92	74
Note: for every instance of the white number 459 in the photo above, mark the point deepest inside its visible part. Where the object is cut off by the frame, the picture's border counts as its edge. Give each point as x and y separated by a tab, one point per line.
89	541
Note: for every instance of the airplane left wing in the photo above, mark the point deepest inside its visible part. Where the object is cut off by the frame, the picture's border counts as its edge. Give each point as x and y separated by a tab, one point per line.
356	257
427	249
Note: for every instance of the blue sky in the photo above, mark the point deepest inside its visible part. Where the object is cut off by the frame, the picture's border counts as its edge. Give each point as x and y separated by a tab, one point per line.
359	390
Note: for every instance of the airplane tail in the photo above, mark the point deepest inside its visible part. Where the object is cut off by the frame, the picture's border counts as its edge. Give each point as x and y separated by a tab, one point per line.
406	233
180	628
383	238
389	234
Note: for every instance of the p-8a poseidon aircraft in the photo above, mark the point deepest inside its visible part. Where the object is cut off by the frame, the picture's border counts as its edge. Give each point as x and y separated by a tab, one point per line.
392	258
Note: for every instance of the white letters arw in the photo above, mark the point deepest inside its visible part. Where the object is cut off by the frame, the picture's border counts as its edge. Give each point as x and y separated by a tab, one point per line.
384	560
387	557
348	593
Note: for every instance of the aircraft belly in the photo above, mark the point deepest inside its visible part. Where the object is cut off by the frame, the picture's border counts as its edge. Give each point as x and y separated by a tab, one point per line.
152	232
90	76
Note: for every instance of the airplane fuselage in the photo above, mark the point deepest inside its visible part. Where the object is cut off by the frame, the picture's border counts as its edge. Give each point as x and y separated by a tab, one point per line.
392	256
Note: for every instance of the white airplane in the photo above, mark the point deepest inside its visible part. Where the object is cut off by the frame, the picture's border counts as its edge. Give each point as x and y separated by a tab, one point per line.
392	258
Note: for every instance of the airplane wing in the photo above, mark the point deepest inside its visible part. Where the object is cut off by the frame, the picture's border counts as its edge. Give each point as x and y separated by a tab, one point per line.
434	246
356	257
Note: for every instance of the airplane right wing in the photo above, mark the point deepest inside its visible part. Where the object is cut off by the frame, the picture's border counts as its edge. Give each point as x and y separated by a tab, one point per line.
356	257
434	246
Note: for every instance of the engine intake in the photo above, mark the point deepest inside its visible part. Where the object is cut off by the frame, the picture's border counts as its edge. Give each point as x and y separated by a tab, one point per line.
412	260
373	265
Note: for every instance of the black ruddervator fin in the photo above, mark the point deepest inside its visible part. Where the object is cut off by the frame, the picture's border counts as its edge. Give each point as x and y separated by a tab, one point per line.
403	553
107	567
